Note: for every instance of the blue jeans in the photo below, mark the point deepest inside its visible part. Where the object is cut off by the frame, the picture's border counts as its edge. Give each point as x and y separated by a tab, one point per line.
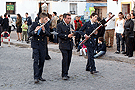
28	30
119	38
55	36
101	53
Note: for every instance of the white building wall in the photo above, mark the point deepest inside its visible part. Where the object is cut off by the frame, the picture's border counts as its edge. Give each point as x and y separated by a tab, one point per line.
32	7
115	8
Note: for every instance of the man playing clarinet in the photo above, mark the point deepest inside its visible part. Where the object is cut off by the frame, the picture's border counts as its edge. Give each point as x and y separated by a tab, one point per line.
39	31
65	43
88	27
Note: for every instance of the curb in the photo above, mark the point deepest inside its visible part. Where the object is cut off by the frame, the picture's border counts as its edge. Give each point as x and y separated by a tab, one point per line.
105	57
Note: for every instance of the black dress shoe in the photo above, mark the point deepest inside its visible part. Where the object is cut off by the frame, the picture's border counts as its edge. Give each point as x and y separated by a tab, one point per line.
65	78
87	70
68	76
92	72
117	52
130	56
41	79
36	80
125	55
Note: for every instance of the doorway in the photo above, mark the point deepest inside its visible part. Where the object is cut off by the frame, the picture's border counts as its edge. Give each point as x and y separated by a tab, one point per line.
125	9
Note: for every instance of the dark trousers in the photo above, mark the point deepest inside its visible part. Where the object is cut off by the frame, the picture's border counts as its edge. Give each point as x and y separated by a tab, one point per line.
90	62
77	39
55	36
129	45
9	29
66	59
119	38
47	57
51	36
39	58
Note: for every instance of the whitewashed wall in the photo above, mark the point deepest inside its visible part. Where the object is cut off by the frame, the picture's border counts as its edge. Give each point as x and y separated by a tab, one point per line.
32	7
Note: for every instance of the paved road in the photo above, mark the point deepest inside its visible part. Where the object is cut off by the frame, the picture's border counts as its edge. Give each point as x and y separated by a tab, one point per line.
16	73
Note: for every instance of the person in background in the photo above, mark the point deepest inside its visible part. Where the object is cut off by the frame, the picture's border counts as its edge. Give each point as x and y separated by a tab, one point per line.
10	23
101	50
109	33
78	25
119	30
60	19
54	24
129	35
84	50
133	18
132	11
5	23
50	26
24	29
37	18
1	29
29	21
19	24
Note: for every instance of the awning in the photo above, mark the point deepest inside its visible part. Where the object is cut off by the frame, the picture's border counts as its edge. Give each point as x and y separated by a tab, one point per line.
96	5
100	4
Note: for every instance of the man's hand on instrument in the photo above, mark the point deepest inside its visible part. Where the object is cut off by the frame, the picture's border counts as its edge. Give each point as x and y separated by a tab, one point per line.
37	28
43	28
86	37
96	32
70	35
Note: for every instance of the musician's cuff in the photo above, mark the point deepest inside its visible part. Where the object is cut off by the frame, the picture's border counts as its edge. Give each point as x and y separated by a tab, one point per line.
84	35
35	32
43	31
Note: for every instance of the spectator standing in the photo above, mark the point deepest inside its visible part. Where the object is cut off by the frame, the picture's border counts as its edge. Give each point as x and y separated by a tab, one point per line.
19	24
29	21
129	35
50	26
10	23
60	19
5	23
109	33
119	30
24	29
37	18
54	24
1	21
133	18
78	25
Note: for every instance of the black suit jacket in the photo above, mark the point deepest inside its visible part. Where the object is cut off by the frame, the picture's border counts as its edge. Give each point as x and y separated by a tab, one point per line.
88	28
39	41
5	24
101	47
63	32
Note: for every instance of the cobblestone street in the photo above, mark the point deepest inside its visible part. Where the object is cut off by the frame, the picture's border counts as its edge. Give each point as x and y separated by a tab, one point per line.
16	67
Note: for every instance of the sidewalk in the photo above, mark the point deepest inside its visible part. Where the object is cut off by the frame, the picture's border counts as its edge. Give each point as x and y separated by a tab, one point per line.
53	47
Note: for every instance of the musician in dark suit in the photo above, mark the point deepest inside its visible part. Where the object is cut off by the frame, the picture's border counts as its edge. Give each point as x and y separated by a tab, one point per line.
88	27
38	44
65	43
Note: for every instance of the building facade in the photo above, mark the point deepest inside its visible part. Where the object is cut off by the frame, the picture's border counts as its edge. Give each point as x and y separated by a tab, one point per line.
13	7
116	6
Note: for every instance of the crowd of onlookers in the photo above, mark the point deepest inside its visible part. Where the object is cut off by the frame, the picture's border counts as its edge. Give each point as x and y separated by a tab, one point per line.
123	28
